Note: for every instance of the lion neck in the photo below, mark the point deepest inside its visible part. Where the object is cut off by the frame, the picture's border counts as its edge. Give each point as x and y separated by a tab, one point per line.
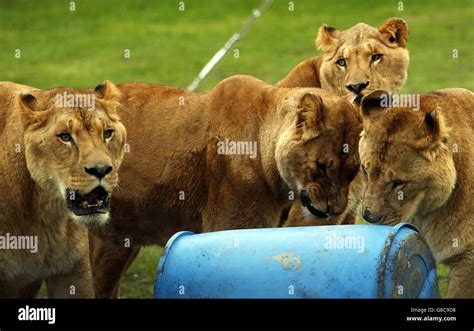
451	217
26	201
274	127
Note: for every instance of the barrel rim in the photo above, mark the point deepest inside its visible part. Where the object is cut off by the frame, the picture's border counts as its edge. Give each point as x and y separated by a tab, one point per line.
386	252
164	257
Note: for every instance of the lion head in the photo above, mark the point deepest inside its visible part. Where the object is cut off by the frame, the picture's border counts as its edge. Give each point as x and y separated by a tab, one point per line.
74	145
408	167
363	58
317	156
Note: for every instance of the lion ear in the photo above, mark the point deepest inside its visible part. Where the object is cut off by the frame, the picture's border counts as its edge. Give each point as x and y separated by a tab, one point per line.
108	95
395	32
435	124
327	38
438	132
107	91
375	102
310	114
28	108
27	101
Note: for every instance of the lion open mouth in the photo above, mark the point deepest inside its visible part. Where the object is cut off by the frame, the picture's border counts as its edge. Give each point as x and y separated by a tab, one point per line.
306	201
96	201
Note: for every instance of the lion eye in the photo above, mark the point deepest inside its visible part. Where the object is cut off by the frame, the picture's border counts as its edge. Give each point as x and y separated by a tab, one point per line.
397	183
376	57
65	137
108	134
341	62
322	169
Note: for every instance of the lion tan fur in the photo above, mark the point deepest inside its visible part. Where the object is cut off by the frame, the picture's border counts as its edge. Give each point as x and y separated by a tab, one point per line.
419	168
35	170
175	178
355	46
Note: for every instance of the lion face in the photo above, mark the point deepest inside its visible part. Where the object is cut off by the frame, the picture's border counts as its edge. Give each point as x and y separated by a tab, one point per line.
409	169
318	154
363	59
74	145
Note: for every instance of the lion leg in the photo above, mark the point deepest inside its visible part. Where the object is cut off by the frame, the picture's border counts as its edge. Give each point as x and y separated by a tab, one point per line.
461	281
354	200
296	217
77	283
10	290
31	290
109	262
349	218
131	258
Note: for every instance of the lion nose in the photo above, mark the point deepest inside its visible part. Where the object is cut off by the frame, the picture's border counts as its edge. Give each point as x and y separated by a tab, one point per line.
357	88
370	217
99	171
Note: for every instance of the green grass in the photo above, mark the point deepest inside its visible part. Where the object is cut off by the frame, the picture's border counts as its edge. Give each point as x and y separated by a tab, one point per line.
139	280
84	47
442	271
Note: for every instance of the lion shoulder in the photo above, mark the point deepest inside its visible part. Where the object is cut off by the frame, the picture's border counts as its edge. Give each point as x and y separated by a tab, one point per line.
305	74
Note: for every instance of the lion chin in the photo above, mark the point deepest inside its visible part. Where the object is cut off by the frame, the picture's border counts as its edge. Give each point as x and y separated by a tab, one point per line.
92	220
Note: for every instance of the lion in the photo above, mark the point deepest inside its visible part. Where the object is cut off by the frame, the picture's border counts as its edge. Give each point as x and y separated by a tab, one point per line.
230	158
355	62
418	165
59	163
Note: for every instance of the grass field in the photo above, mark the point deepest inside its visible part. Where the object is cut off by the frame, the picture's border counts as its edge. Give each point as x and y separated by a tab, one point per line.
81	48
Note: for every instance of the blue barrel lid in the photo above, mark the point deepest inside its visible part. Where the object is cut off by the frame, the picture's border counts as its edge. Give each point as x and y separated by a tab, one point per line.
407	267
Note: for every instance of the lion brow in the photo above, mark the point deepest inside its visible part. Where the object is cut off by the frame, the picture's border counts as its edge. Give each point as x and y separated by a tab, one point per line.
86	117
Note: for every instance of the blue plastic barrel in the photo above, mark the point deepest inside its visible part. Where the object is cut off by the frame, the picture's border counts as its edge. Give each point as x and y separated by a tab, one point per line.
344	261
